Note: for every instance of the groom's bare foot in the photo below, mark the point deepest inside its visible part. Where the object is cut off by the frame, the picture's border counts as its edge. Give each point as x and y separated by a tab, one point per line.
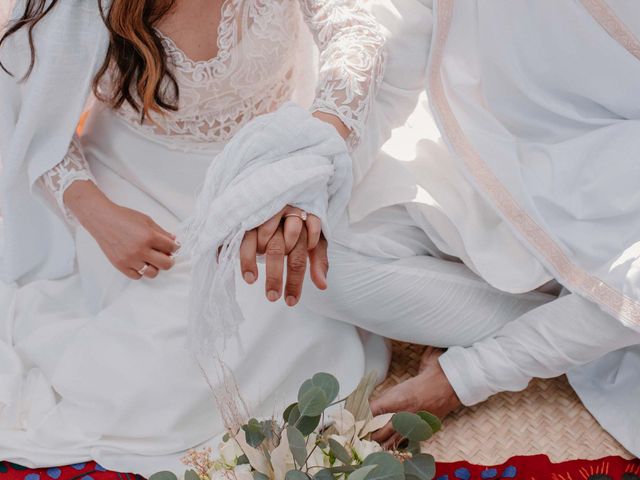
430	390
429	358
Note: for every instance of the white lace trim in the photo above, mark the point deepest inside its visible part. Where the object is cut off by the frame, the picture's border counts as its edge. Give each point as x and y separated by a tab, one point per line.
251	74
73	167
253	71
352	60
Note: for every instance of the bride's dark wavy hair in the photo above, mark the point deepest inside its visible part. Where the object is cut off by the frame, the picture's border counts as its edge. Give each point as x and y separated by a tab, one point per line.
135	51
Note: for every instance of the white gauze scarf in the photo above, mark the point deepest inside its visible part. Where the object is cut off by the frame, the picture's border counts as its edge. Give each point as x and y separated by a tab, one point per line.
283	158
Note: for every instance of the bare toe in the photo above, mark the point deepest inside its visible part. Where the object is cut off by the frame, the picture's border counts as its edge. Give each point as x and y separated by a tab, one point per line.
396	399
430	357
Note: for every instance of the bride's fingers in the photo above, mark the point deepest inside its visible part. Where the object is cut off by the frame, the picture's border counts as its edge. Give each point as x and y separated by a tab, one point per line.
159	260
151	272
267	230
319	264
162	231
274	253
248	253
314	229
296	268
164	244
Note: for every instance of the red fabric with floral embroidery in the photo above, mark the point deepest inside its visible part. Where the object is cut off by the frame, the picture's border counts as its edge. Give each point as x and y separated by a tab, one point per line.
537	467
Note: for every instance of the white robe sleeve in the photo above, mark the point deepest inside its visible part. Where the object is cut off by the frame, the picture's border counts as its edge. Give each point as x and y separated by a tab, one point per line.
351	60
73	167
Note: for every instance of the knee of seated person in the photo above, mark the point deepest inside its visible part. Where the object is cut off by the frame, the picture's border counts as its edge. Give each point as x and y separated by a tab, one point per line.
348	287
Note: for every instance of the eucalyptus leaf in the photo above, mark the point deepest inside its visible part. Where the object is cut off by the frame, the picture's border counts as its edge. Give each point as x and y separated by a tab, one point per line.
413	447
342	469
271	430
287	411
313	402
328	383
163	476
420	467
253	433
389	467
306	425
411	426
296	475
324	474
242	460
324	381
362	472
191	475
339	452
260	476
297	445
433	421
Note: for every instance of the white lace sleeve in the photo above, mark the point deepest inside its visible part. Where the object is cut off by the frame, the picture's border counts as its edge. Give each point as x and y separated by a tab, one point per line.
73	167
351	60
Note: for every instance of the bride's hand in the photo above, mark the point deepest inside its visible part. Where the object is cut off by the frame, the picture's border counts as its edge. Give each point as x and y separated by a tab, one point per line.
294	239
129	239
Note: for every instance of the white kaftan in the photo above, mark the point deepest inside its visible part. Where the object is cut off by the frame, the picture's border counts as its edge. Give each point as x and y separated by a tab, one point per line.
521	161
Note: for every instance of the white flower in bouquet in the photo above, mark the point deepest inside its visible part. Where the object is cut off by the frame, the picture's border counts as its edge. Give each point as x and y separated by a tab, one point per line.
317	458
363	448
282	458
229	452
243	472
343	440
303	445
343	421
240	472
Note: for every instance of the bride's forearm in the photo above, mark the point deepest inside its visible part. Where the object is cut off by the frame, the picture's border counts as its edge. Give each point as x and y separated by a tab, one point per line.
86	202
342	129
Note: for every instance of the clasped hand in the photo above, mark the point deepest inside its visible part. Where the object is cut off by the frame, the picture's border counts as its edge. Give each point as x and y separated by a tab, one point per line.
286	238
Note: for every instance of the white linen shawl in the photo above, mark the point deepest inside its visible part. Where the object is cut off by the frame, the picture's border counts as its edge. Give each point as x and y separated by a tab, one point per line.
283	158
37	119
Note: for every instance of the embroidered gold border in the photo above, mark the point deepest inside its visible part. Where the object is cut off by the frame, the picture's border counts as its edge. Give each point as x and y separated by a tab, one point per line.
576	279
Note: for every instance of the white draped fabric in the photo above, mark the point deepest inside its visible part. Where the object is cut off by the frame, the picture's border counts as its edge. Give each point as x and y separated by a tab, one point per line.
519	160
549	142
94	365
545	128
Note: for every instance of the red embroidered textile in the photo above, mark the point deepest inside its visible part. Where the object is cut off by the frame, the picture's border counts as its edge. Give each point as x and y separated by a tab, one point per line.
536	467
539	467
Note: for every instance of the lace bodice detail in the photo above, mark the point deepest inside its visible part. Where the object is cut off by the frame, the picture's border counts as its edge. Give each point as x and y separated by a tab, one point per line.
253	73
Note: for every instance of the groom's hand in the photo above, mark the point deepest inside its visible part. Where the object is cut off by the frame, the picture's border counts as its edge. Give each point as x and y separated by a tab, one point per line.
276	252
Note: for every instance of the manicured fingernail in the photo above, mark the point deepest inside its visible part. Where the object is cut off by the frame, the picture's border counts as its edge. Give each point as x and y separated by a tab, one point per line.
249	277
291	300
272	295
178	244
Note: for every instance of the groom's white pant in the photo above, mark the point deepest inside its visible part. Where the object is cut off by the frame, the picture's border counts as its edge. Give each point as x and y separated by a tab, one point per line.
385	278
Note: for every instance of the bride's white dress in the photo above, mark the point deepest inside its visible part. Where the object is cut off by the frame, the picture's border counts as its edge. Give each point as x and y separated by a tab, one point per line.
95	365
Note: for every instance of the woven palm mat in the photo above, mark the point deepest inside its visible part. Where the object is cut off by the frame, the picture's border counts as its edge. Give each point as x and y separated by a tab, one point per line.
547	418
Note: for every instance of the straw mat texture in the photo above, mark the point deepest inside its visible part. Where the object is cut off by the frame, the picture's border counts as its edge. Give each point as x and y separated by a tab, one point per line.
547	418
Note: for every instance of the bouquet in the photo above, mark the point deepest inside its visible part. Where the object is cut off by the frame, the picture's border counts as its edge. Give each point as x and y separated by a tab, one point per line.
318	438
